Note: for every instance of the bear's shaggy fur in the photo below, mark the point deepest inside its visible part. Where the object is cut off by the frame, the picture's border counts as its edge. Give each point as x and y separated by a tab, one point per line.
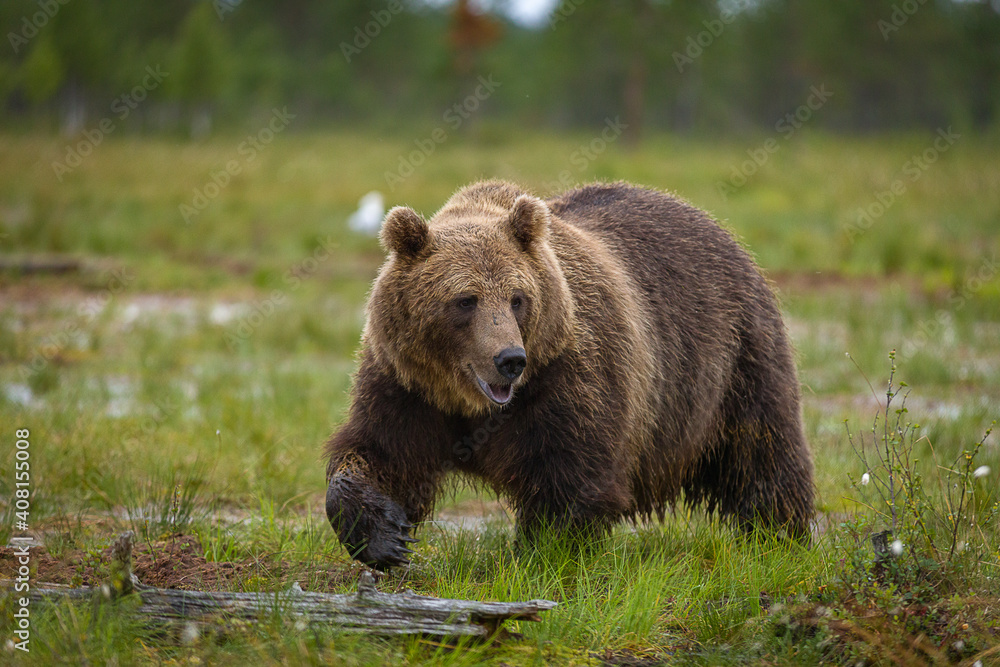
654	359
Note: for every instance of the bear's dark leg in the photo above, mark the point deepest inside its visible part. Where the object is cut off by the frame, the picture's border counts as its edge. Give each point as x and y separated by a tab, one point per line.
372	526
775	482
759	473
535	523
573	497
384	469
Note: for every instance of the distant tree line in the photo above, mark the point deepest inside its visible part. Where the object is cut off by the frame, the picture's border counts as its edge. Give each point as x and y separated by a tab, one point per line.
694	66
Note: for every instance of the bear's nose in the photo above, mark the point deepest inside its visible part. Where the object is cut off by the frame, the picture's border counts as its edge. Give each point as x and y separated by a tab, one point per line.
511	362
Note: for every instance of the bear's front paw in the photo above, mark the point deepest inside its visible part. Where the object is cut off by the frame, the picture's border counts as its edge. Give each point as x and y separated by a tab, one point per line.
372	526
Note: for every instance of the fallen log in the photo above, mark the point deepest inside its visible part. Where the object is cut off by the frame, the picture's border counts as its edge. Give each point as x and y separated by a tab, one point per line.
367	610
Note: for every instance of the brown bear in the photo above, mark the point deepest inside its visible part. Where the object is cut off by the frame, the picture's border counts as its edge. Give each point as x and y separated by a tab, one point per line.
590	357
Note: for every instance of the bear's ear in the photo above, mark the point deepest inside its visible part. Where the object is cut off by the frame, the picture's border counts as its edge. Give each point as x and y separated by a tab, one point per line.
529	220
404	232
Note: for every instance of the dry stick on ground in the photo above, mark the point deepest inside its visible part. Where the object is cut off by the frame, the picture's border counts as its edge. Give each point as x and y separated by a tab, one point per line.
365	611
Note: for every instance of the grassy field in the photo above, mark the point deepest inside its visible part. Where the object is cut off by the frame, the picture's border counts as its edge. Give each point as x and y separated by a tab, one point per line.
181	383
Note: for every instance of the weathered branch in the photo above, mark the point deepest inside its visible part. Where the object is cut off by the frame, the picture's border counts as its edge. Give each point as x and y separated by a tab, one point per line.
365	611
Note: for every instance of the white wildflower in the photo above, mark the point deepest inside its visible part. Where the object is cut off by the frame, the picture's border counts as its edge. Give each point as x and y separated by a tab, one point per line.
981	471
896	547
189	635
865	479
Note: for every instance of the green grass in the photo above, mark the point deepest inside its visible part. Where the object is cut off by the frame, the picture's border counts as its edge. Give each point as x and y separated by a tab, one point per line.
183	382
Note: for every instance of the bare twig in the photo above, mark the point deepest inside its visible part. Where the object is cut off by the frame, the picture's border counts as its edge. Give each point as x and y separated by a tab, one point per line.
966	477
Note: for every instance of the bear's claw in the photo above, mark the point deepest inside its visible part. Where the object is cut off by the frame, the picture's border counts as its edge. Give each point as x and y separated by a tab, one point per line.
372	526
385	549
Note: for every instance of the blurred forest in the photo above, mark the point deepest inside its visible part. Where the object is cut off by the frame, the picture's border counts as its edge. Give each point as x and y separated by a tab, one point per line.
694	66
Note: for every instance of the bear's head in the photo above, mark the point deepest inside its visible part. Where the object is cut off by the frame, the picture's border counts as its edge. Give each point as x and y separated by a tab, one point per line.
472	304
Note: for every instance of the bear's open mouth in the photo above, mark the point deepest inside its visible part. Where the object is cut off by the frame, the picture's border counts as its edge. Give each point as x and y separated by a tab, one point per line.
498	393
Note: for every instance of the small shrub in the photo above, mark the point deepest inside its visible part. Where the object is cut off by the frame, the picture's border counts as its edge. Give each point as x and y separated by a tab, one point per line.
923	544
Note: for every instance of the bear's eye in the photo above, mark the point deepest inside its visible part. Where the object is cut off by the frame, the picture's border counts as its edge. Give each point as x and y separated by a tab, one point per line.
516	303
467	303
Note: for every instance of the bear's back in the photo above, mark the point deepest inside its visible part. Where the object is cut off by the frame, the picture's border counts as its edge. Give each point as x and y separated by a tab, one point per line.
670	249
695	285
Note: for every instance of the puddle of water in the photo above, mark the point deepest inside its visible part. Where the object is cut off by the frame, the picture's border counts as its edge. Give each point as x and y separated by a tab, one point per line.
19	394
223	313
472	515
121	397
154	306
825	333
925	408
